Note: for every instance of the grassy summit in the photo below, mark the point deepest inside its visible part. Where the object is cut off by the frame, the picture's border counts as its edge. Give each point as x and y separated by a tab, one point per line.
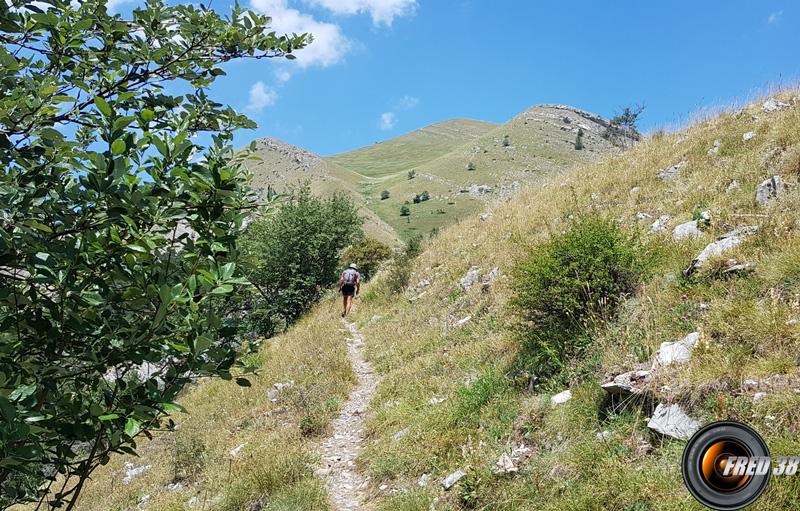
464	165
452	397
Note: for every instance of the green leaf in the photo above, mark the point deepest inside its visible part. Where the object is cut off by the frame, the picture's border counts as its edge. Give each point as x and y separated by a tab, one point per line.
109	417
147	115
222	290
22	392
37	225
132	427
173	407
118	146
243	382
103	106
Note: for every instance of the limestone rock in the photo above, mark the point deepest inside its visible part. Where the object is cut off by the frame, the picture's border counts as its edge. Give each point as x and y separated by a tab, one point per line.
660	224
132	471
769	189
561	397
486	216
773	105
672	172
734	185
626	383
488	279
748	136
725	243
687	230
672	421
401	434
676	352
470	279
451	480
716	147
462	321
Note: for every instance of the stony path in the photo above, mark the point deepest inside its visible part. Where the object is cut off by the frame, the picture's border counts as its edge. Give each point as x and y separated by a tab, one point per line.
346	487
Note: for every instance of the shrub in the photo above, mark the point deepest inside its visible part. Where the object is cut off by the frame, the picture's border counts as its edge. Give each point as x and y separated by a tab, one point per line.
405	210
506	141
471	166
569	285
384	194
291	256
400	271
368	255
422	197
412	174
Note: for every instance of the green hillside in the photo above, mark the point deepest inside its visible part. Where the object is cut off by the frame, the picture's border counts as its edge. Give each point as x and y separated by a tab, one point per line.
451	397
464	165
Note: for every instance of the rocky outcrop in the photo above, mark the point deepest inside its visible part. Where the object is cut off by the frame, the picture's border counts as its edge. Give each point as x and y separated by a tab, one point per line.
676	352
725	243
769	189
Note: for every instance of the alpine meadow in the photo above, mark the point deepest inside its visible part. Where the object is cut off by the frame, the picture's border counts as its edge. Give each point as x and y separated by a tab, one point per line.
549	307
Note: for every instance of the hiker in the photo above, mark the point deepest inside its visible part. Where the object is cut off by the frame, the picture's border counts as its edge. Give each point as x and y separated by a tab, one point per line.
349	285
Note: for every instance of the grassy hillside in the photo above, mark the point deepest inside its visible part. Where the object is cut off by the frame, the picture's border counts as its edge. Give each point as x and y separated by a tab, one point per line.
450	398
464	165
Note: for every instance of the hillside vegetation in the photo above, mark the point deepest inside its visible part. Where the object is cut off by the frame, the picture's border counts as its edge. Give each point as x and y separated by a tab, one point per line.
463	165
456	393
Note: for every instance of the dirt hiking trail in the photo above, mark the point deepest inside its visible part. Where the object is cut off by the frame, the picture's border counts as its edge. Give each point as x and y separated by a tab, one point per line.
346	487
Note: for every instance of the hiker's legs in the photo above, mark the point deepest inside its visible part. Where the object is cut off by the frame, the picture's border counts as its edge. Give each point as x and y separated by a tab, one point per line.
348	305
344	305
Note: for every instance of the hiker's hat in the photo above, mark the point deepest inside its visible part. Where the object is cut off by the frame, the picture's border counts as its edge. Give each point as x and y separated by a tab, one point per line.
353	266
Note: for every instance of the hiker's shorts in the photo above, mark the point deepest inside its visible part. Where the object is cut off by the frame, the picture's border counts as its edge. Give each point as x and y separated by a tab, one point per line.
348	290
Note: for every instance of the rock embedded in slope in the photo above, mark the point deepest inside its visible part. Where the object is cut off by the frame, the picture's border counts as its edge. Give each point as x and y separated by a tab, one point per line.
561	397
470	279
671	172
723	244
773	105
715	148
677	352
451	480
769	189
660	224
748	136
488	279
685	231
672	421
626	383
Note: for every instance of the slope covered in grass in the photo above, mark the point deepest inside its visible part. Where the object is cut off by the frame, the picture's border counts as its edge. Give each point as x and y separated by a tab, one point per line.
452	397
458	346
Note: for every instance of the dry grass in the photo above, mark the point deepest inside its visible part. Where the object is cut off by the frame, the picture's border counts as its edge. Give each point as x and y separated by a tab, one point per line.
423	355
275	465
743	321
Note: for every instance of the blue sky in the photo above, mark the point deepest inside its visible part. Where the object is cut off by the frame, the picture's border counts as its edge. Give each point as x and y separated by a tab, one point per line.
380	68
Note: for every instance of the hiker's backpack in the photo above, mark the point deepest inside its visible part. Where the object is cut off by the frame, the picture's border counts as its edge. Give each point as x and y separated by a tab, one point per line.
349	277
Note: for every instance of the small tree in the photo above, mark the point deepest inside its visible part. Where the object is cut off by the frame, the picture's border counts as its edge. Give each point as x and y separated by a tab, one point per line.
118	232
368	255
506	140
424	196
405	210
622	129
412	174
384	194
470	166
293	255
579	140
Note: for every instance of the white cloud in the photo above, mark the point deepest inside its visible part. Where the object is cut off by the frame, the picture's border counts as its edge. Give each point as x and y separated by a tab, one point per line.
381	11
774	17
283	76
261	97
388	120
407	103
329	46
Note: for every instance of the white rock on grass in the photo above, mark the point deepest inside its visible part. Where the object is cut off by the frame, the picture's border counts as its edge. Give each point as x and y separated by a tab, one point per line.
660	225
626	383
437	400
505	465
685	231
716	147
769	189
672	421
486	216
734	185
462	321
132	471
676	352
561	397
748	136
470	279
672	172
451	480
725	243
424	479
773	105
401	434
